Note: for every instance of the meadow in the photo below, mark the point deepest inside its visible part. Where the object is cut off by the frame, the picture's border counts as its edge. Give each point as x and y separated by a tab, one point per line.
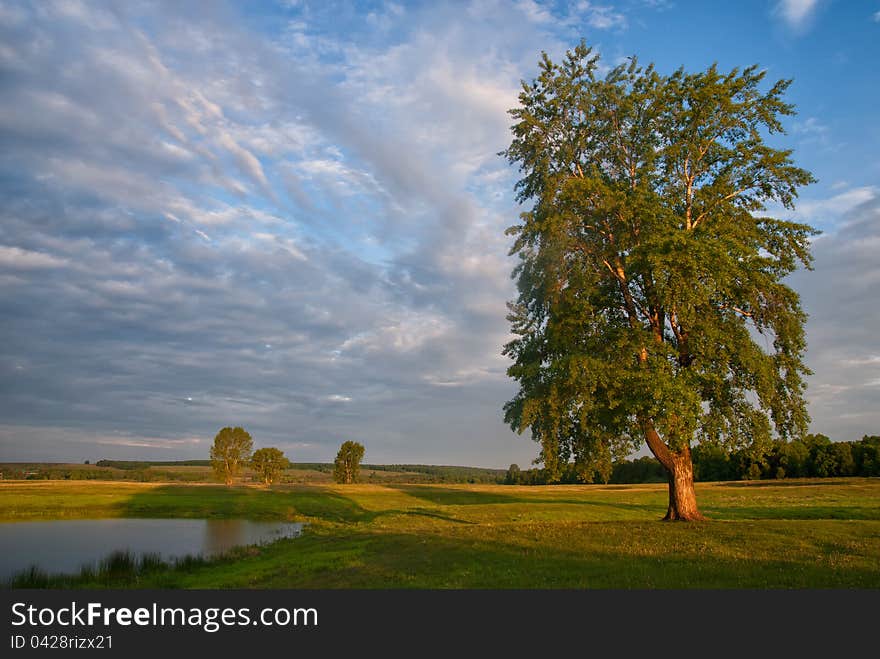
762	534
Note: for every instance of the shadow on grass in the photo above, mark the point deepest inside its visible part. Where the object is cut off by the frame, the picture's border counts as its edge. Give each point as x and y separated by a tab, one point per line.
459	497
402	560
789	483
312	502
654	506
799	513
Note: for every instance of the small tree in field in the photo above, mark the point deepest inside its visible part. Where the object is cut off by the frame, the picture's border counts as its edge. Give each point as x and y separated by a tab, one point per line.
348	462
652	304
231	450
269	463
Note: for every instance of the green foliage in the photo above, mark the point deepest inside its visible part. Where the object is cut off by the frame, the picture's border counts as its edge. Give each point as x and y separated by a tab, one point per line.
650	281
813	456
639	470
346	468
513	476
230	452
444	473
269	463
713	463
119	568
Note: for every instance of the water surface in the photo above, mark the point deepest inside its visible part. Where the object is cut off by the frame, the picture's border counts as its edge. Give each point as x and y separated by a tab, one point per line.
64	546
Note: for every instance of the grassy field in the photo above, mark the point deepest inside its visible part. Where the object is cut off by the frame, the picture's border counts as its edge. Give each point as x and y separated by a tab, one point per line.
764	534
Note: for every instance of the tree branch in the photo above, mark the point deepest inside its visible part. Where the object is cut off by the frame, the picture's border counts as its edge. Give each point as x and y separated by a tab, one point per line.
703	215
742	312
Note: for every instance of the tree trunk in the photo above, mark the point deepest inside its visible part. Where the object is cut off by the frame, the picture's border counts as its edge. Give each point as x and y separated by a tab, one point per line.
680	471
682	497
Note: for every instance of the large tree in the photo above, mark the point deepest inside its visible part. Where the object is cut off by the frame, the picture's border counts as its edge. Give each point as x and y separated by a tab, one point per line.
231	450
269	463
652	305
347	465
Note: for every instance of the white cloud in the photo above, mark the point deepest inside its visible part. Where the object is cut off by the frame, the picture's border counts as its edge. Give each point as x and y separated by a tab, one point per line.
601	17
810	126
249	163
826	212
796	13
284	244
22	259
404	334
534	12
148	442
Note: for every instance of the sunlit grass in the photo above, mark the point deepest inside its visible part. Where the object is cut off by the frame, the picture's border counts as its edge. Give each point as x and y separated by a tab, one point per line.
793	534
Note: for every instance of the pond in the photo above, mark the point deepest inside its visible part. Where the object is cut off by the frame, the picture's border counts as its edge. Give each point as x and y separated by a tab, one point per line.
64	546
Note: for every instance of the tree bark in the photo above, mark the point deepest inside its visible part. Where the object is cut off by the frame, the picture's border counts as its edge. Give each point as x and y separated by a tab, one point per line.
680	472
682	497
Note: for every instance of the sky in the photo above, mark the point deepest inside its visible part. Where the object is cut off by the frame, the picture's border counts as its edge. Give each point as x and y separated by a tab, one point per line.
289	216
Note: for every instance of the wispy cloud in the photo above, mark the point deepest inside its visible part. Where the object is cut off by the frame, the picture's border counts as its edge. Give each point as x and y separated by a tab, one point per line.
295	224
828	213
797	13
601	17
333	200
841	330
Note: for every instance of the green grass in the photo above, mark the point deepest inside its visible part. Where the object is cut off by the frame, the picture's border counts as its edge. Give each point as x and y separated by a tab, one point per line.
789	534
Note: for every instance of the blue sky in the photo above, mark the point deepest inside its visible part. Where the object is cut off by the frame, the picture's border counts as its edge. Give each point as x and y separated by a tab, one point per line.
289	216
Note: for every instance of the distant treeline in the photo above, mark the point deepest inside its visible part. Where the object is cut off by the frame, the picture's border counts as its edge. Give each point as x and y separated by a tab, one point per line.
814	456
131	465
152	471
430	473
55	471
446	473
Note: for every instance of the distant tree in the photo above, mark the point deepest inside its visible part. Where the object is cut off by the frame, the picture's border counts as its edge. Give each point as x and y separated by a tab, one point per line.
86	462
821	460
269	463
824	462
640	470
513	475
794	458
867	456
753	472
843	459
712	463
348	462
649	265
814	440
231	450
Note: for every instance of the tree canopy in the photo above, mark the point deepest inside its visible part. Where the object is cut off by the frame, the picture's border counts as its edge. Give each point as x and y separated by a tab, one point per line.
269	463
651	301
230	452
346	467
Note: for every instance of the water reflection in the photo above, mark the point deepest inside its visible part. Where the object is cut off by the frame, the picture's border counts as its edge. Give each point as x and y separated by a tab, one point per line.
221	534
67	545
